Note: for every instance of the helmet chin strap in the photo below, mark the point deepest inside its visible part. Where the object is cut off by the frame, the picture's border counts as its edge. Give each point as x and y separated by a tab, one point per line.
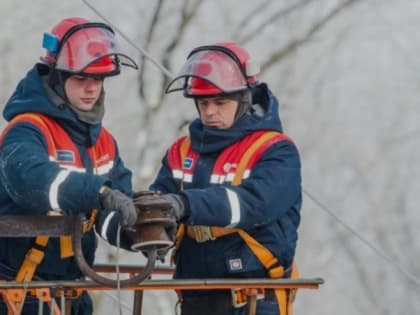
244	99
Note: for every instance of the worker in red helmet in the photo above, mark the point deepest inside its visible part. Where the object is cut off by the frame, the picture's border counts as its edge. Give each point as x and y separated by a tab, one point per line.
234	184
57	158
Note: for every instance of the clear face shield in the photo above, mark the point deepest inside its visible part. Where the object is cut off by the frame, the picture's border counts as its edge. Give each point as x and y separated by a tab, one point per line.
91	49
214	67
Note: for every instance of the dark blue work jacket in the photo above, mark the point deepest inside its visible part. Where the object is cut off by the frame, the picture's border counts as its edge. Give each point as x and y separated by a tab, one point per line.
266	204
31	182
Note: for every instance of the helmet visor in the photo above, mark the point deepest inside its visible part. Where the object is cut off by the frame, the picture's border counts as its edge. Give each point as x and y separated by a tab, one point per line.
214	67
92	50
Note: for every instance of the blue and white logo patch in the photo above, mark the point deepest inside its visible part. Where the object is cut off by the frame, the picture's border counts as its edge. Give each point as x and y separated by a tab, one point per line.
65	156
235	264
188	163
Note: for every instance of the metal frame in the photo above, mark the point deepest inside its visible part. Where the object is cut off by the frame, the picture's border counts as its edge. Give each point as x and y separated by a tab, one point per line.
139	277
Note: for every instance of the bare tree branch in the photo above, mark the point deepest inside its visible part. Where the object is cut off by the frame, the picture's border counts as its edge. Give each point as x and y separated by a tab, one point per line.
186	17
149	36
252	14
188	11
295	44
276	16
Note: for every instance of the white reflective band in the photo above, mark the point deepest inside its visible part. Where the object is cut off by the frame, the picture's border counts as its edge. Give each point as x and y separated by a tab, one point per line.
214	179
235	207
188	178
53	195
246	174
220	179
73	168
104	169
230	177
106	224
177	174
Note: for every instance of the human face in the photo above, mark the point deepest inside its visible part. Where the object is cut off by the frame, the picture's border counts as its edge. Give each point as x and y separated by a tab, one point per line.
217	112
83	92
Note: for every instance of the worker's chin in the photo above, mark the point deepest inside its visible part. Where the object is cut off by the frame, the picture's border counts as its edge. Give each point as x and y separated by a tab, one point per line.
214	124
85	107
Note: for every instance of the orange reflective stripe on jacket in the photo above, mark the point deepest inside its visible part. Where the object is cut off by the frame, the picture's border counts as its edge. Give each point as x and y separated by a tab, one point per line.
285	297
267	259
57	141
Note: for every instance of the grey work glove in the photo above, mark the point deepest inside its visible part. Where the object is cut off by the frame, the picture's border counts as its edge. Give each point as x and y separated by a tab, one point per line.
112	199
177	202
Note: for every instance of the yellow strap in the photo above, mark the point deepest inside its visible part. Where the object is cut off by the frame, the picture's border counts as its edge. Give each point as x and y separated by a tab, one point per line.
32	259
286	297
87	226
260	251
66	244
35	255
249	153
178	240
66	247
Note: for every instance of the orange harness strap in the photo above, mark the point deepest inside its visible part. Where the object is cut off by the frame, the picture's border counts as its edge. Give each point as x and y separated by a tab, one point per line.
35	255
204	233
32	259
285	297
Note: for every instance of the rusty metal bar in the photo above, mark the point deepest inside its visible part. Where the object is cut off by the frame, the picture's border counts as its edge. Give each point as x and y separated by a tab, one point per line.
137	302
35	225
132	269
175	284
89	272
71	225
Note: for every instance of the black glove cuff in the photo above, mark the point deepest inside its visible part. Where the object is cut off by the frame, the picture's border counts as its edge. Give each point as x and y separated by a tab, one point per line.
187	209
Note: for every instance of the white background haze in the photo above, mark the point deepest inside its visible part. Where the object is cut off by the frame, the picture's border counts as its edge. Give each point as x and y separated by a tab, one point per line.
346	73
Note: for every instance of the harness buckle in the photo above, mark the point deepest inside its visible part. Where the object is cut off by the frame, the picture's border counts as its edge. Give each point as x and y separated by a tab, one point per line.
240	296
202	233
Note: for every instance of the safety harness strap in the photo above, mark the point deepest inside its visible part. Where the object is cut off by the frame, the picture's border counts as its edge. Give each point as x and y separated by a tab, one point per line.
260	251
249	153
285	297
35	255
32	259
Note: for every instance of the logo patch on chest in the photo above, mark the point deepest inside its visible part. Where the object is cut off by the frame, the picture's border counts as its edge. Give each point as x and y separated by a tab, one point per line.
235	264
229	167
65	156
188	163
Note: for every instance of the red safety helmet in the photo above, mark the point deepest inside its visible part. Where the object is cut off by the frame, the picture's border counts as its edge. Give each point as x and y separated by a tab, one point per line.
78	46
222	68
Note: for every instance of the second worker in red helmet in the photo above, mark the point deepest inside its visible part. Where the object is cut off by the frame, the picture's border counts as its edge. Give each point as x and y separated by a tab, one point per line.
234	184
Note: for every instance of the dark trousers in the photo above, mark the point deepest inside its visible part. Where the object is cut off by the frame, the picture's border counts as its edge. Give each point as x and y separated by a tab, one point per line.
221	304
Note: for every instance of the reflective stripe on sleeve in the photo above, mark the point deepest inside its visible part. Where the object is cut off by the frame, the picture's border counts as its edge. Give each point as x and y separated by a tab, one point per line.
53	195
105	169
104	228
235	207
